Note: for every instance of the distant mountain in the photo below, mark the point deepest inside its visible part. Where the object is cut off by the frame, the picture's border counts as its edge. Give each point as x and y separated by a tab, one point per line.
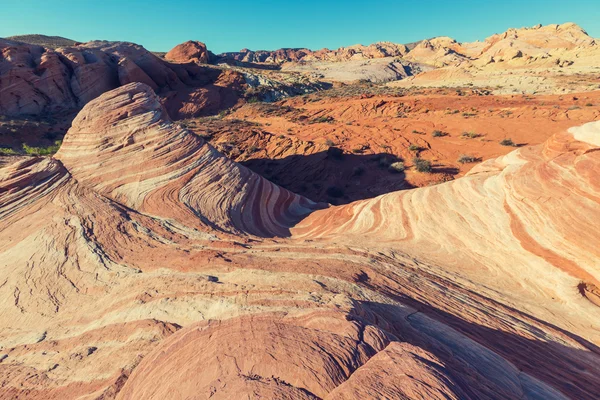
42	40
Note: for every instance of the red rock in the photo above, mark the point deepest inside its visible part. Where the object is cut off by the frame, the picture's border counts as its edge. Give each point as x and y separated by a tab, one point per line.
190	51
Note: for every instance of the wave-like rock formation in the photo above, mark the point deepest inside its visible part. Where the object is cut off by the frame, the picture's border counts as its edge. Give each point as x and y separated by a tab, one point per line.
141	263
124	146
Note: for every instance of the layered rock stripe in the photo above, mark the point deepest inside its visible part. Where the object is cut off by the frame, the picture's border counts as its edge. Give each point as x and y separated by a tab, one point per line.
139	262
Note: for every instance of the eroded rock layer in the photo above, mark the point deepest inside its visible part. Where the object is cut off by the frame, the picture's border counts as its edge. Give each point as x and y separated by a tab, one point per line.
141	263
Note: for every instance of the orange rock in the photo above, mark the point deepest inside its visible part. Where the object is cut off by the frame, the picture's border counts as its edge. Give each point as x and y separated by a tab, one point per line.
190	51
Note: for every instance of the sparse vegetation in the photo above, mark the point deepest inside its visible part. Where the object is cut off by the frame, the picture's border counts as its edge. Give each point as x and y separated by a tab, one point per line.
385	161
470	135
422	165
329	142
466	159
508	142
42	40
397	166
322	119
413	147
42	151
438	133
253	149
7	151
589	105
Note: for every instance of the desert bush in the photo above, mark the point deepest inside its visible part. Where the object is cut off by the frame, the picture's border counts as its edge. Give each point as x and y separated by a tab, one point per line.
413	147
438	133
385	161
465	159
253	149
329	142
589	105
470	135
7	151
422	165
322	119
42	151
507	142
397	166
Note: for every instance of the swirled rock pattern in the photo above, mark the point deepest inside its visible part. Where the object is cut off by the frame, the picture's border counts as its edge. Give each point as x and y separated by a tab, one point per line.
124	146
141	263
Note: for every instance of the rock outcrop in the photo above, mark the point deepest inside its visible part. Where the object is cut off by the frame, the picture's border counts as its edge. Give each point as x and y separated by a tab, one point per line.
141	263
355	52
190	51
35	80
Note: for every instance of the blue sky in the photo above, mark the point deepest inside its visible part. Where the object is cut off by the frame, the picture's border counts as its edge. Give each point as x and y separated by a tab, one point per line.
261	24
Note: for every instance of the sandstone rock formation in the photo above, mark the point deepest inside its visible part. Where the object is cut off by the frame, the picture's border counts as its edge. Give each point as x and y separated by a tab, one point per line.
35	80
545	49
530	60
355	52
190	51
141	263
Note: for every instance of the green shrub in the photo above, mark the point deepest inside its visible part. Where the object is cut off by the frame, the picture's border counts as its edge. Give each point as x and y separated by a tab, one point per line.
7	151
470	135
465	159
508	142
323	119
413	147
398	166
385	161
42	151
422	165
438	133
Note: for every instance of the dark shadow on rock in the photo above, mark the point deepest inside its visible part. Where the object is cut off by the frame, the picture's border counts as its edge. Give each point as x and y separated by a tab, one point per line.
571	371
332	176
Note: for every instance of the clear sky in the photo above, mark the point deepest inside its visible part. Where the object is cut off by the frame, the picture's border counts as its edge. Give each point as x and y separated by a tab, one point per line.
231	25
